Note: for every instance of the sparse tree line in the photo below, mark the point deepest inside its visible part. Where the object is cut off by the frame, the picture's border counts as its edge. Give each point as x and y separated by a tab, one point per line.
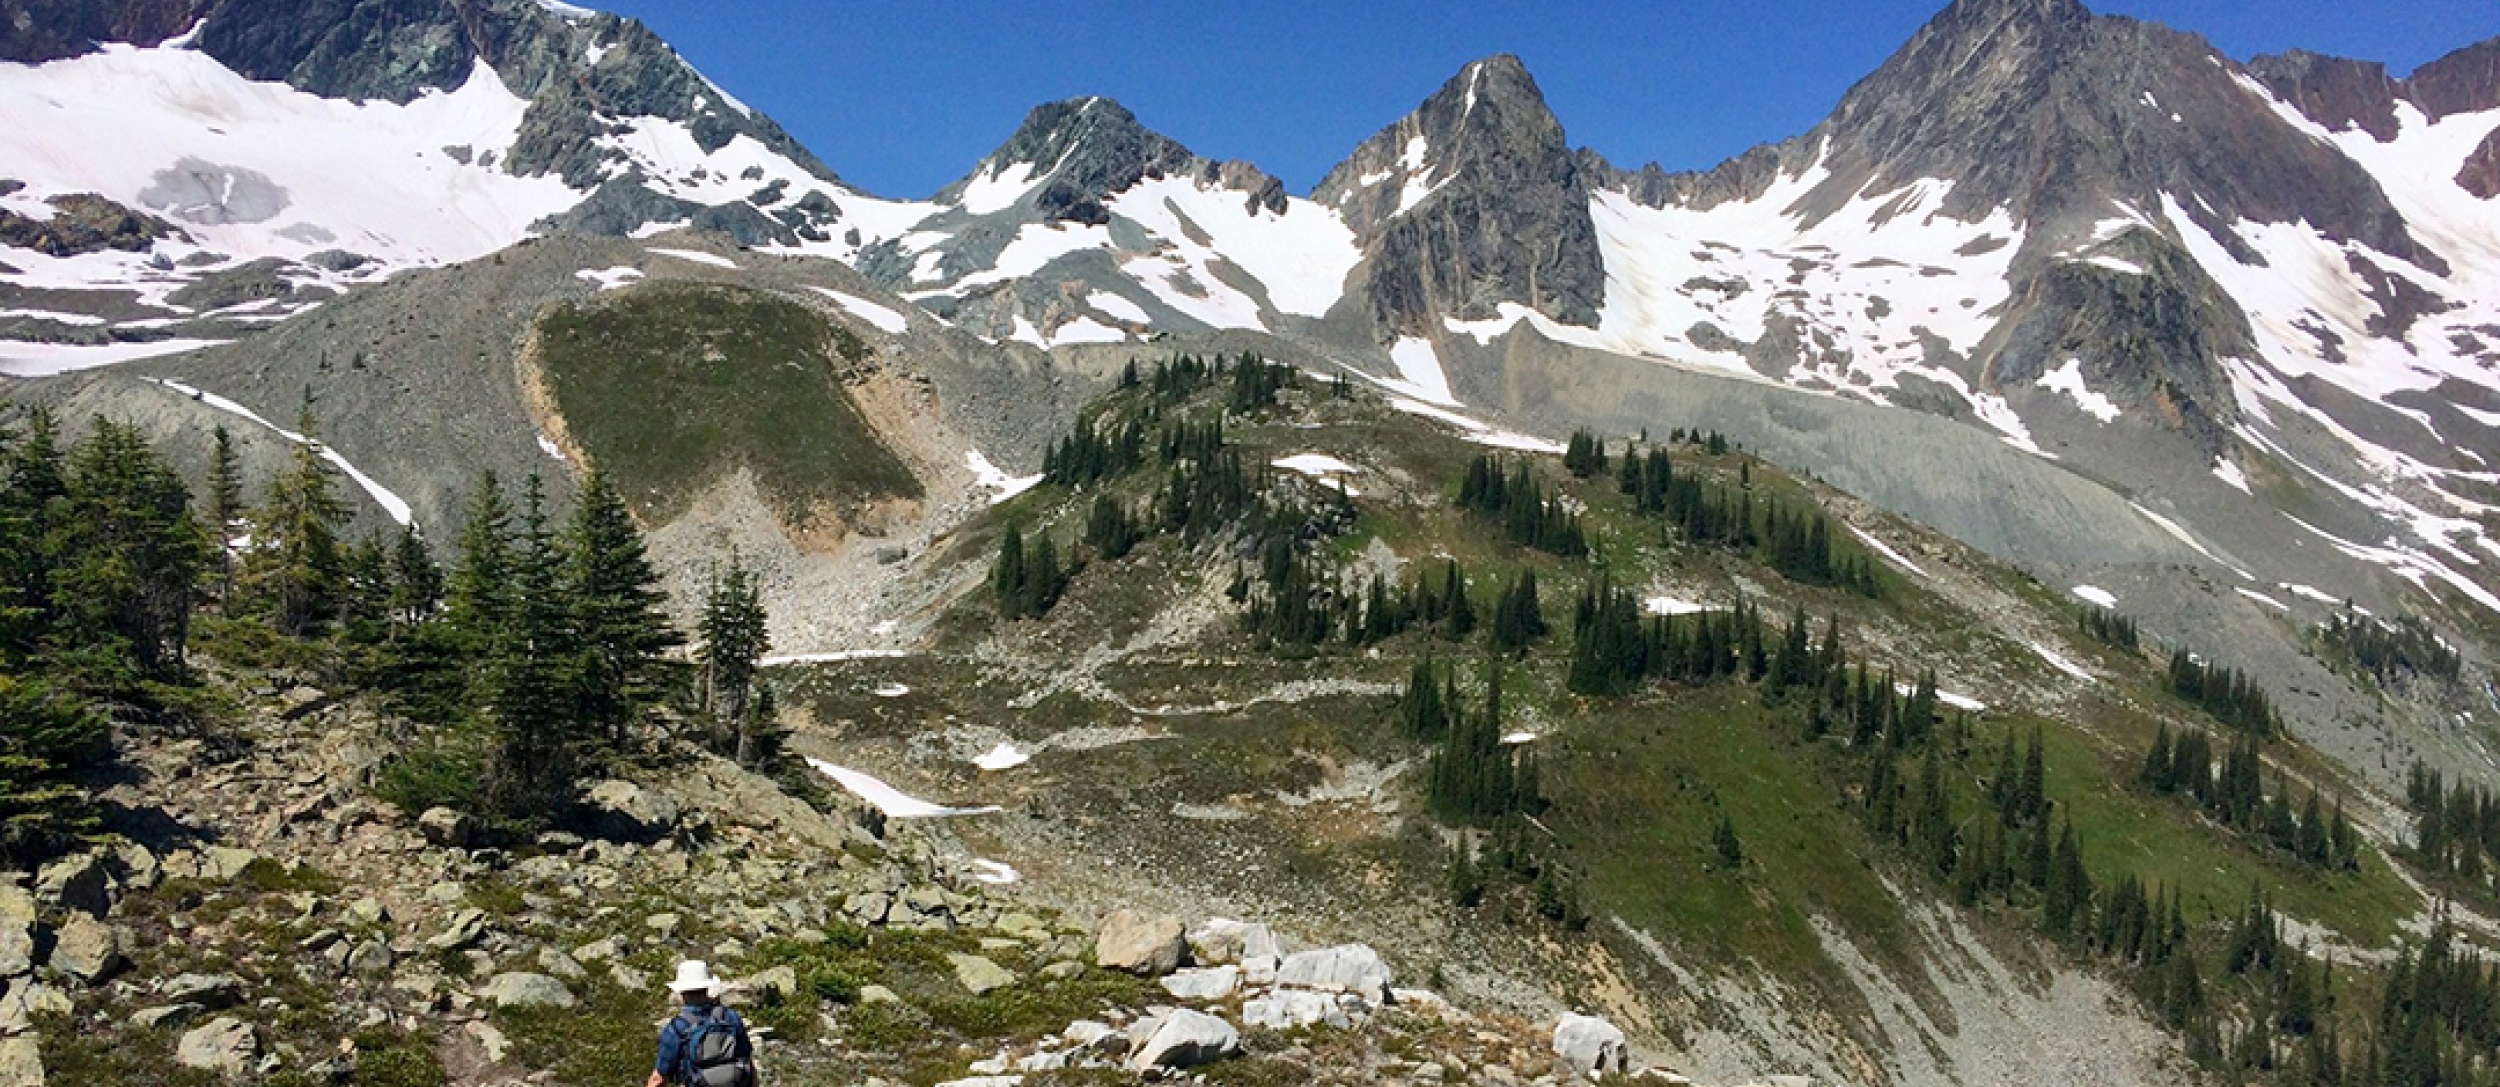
2392	652
529	663
2233	793
2456	828
1799	543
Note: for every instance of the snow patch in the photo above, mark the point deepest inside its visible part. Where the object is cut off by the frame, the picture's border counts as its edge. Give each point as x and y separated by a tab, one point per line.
550	448
2060	663
891	690
391	504
835	656
1419	372
1517	738
887	319
698	256
1320	466
1005	756
2261	598
1475	430
886	798
2231	476
1885	549
19	358
990	477
2097	596
994	873
609	279
2068	379
1668	605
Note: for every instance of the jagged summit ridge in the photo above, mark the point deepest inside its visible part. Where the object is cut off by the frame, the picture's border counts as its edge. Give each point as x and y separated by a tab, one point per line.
1069	156
1472	201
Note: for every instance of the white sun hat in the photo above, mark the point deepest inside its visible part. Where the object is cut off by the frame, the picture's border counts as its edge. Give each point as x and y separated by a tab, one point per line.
694	977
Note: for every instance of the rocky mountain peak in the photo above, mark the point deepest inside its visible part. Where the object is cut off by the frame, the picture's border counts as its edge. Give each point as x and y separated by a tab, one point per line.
1489	121
1471	201
1085	150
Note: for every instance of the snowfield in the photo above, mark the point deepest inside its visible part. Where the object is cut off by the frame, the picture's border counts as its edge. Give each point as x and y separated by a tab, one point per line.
264	170
894	802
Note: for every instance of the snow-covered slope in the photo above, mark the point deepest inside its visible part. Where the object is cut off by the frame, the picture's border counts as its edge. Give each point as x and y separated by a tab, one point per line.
1085	227
156	191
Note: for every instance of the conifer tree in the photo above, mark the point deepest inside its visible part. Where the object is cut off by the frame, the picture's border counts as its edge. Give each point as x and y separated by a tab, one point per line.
533	672
618	612
225	512
1518	618
478	594
732	641
294	564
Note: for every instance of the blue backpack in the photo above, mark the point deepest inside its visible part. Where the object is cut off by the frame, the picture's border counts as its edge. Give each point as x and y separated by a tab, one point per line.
711	1057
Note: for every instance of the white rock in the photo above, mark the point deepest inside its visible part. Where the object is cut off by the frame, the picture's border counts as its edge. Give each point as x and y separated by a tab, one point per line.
1589	1046
1289	1009
1186	1039
1203	982
1347	968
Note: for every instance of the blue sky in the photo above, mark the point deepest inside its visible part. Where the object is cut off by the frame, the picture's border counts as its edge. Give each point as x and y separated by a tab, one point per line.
901	98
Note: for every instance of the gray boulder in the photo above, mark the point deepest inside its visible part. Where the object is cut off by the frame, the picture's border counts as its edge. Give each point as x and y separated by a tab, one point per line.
1590	1046
78	883
448	828
466	928
980	975
1186	1039
371	958
214	992
1222	940
1346	968
224	1045
166	1015
521	990
87	950
27	998
625	812
1147	946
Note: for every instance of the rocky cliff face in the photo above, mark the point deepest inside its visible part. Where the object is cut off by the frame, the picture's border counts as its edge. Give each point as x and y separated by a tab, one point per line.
1471	201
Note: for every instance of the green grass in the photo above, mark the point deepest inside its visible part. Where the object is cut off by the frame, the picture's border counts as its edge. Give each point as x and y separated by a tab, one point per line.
669	387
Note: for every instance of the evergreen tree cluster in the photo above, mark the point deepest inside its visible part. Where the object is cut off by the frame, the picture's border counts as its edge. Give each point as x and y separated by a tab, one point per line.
1436	599
1476	778
1256	381
1024	581
2233	793
1585	456
2110	629
1799	543
1615	648
2456	827
554	645
2228	695
1528	517
2392	652
731	641
100	553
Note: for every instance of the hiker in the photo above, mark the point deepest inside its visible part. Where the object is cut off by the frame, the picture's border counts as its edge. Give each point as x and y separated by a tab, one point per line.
704	1044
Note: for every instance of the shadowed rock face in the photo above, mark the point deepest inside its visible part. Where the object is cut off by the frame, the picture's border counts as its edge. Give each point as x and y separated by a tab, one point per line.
35	31
1471	201
2481	175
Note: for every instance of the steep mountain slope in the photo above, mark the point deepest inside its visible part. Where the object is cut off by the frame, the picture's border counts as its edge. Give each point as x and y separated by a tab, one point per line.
783	406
